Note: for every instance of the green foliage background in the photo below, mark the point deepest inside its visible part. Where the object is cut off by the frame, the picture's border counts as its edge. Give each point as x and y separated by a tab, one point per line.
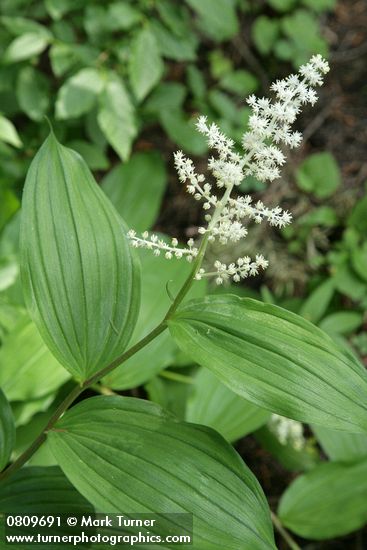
122	82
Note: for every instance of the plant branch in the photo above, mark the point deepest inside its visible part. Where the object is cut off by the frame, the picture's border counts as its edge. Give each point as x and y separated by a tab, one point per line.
77	390
286	536
23	458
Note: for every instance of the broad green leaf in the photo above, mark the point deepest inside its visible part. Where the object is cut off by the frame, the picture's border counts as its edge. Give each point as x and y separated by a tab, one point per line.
25	46
302	28
145	66
116	117
58	8
28	370
275	359
32	92
327	502
322	215
80	278
265	32
167	95
62	57
170	394
7	431
96	23
9	271
224	106
342	322
219	64
122	16
10	315
43	491
27	433
183	132
241	83
8	133
128	454
221	22
358	216
9	204
23	411
348	283
172	46
319	174
136	189
359	260
91	153
177	18
314	308
21	25
196	82
211	403
78	94
9	239
341	446
157	274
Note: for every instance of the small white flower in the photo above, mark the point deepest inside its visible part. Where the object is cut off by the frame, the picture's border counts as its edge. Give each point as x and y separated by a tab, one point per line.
287	431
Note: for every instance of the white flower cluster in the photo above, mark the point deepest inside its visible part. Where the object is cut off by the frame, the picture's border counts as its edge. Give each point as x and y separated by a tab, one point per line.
287	431
271	120
269	127
153	242
235	271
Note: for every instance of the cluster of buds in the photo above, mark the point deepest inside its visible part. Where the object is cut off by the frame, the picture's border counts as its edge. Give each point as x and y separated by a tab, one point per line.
226	216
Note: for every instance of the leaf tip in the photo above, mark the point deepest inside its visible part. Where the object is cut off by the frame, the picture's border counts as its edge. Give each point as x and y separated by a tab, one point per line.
49	125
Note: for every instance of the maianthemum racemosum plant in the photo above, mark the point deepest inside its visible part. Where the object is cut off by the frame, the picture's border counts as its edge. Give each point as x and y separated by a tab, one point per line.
81	281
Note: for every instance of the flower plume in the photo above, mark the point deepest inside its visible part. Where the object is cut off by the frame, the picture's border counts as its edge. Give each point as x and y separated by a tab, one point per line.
227	217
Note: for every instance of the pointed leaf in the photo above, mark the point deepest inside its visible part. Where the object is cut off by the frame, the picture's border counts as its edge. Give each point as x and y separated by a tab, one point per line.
214	404
7	431
221	22
275	359
136	189
341	446
327	502
25	46
8	132
80	276
24	360
33	92
146	66
128	454
116	117
78	94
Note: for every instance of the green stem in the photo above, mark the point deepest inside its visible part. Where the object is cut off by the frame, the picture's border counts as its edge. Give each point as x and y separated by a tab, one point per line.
190	279
286	536
22	459
70	398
